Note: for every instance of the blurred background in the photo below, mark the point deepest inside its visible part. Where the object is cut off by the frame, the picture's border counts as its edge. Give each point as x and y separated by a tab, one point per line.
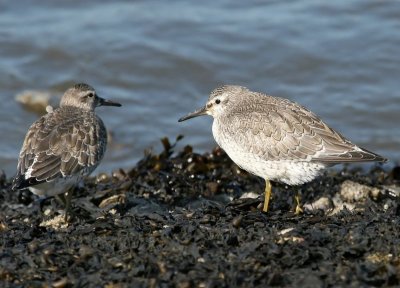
161	59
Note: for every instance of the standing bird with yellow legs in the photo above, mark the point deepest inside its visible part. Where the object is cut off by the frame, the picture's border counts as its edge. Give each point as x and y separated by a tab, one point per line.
275	138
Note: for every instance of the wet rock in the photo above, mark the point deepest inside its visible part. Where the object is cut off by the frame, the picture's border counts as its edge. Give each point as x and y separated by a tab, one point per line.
34	101
103	178
119	174
354	192
113	200
323	203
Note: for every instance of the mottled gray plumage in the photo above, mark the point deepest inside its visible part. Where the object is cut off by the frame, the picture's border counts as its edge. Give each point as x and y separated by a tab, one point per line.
64	145
275	138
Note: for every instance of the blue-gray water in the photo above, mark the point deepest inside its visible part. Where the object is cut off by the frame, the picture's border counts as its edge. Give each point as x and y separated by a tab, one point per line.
160	59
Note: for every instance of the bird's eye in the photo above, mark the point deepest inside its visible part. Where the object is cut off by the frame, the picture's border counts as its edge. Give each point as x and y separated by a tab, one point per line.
217	101
90	94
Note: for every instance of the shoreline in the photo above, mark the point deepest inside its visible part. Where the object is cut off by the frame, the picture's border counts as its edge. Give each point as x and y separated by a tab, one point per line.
178	219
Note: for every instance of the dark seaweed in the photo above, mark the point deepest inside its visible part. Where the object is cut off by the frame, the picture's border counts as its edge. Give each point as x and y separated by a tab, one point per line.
178	220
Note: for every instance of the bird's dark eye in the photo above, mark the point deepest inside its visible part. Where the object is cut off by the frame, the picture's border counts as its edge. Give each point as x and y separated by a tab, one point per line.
217	101
90	94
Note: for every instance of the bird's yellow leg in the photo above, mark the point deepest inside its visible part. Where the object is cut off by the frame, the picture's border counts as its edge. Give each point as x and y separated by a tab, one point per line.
268	189
298	210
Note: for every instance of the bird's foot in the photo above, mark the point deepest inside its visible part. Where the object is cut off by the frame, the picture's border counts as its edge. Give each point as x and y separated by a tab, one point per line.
41	202
298	210
65	200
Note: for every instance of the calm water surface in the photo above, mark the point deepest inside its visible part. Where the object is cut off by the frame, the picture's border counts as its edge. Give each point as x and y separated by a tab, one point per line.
160	59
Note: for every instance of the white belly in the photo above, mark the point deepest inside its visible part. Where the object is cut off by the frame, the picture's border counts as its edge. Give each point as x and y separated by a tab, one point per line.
54	187
291	172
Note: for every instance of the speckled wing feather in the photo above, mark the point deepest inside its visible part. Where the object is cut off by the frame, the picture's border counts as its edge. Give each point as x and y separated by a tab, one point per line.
60	144
283	130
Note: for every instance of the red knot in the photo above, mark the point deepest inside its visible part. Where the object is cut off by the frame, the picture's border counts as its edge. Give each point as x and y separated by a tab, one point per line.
275	138
64	145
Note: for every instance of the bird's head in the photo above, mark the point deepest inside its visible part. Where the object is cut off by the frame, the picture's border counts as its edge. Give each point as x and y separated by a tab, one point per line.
219	101
85	97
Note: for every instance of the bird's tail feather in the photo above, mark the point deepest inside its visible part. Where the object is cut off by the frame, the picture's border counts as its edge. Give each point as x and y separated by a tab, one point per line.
356	155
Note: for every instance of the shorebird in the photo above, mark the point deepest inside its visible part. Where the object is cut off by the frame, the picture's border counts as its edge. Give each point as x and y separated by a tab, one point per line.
275	138
63	146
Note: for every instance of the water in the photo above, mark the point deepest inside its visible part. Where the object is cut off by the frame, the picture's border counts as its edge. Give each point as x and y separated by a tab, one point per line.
160	59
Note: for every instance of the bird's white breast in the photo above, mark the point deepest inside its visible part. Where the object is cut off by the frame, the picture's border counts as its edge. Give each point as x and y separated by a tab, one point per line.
56	186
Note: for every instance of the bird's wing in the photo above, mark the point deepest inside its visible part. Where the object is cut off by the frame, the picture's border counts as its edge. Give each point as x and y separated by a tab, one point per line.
60	148
279	129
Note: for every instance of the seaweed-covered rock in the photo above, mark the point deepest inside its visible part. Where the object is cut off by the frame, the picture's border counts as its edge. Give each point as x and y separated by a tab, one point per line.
191	220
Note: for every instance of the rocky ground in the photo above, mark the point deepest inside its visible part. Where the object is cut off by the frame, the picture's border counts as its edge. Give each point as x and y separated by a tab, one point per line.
191	220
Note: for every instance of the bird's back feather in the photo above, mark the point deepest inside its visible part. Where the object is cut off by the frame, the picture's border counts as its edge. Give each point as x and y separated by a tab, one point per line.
63	143
274	128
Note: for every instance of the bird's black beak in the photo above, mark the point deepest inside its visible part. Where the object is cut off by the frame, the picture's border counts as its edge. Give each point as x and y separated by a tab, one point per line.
104	102
199	112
